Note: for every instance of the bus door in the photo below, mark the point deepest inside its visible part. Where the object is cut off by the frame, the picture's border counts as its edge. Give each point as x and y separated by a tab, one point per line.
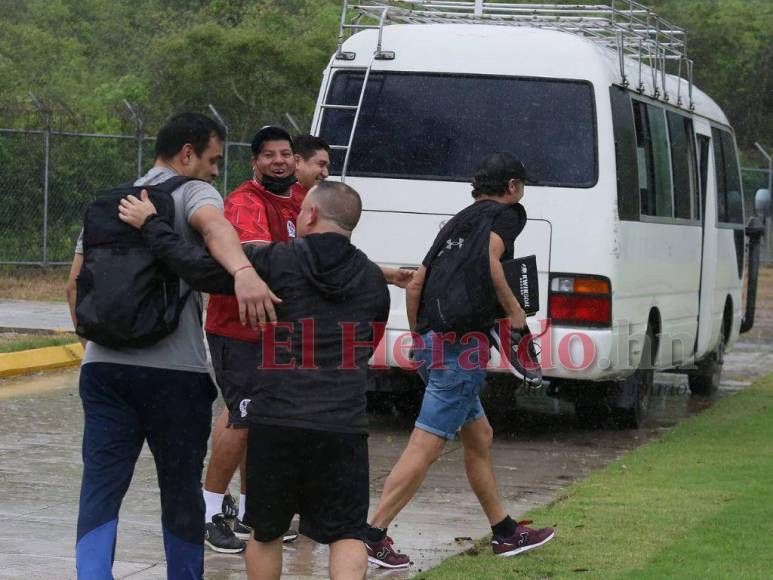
709	236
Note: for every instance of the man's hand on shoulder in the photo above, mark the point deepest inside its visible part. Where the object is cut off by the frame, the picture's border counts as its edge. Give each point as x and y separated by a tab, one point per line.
135	211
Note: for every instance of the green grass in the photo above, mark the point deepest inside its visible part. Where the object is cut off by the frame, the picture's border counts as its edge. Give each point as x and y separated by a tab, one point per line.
697	503
16	342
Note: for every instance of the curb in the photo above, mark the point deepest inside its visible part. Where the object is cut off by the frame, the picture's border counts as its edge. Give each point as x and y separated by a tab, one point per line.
40	359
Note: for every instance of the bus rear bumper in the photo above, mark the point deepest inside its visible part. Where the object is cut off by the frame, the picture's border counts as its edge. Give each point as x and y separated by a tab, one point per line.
577	354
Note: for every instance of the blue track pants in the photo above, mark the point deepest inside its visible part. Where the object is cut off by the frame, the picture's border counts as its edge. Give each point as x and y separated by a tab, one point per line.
123	407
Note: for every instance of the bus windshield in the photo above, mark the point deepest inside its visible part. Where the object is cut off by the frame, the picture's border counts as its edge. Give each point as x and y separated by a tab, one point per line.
439	126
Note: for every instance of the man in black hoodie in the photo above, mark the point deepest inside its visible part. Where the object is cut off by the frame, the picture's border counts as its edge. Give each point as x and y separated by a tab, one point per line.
307	409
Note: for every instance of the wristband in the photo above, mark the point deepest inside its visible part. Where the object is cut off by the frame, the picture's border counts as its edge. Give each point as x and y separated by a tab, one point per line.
240	269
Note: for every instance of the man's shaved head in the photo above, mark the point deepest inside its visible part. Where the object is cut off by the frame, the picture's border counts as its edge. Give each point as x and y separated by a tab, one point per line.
338	203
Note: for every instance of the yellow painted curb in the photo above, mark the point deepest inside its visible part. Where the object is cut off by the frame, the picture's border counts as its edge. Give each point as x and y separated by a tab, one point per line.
40	359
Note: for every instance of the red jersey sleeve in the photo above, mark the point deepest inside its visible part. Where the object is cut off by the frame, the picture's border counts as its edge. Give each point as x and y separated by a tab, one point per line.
247	214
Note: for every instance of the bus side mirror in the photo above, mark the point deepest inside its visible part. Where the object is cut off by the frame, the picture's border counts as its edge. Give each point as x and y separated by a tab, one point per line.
762	203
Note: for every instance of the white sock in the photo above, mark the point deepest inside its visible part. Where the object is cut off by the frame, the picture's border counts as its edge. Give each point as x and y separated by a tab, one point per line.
242	506
214	504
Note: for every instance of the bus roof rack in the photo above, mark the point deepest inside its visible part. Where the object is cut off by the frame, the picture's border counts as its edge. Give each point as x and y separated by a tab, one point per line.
625	26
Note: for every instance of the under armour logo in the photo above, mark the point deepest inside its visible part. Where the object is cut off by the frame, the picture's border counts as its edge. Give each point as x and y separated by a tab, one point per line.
450	243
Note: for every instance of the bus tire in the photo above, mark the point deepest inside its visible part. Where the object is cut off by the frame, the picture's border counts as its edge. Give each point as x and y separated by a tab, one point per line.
704	381
637	389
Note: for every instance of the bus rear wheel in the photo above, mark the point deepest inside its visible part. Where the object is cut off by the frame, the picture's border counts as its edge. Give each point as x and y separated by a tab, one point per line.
635	392
704	381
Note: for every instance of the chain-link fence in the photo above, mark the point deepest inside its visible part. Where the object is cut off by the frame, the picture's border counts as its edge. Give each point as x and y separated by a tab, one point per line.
48	178
754	180
42	198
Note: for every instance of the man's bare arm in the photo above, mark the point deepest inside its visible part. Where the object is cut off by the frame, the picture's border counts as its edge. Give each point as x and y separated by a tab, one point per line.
71	289
400	277
505	295
413	295
256	301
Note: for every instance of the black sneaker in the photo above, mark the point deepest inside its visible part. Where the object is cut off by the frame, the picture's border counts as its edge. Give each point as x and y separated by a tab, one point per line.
290	536
241	530
521	355
229	507
221	538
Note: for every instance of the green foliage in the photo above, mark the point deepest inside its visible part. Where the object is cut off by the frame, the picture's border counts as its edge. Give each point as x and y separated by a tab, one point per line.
731	42
255	60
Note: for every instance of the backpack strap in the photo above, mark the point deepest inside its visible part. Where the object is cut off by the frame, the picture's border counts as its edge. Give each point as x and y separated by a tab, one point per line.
491	217
171	184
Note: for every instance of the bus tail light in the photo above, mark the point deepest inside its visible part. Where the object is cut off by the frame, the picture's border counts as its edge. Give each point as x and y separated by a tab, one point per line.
578	300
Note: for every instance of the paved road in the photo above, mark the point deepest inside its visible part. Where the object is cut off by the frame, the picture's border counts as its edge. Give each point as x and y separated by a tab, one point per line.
538	451
28	315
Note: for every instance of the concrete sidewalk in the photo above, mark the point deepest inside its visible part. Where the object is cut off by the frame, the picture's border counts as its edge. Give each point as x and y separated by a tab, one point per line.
26	315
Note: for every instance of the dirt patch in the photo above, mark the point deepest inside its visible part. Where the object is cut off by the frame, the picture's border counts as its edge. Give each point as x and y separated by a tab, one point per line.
33	283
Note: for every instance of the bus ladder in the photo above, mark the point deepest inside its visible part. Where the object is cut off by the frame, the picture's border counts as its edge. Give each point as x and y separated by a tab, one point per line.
378	54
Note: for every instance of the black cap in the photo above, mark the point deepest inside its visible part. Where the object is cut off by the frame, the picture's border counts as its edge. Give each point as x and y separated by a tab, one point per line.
495	171
270	133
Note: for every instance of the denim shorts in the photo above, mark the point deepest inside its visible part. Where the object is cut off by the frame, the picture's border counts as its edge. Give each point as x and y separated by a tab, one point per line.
452	397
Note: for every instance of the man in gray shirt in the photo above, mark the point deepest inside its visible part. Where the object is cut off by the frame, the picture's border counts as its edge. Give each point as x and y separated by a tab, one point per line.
161	393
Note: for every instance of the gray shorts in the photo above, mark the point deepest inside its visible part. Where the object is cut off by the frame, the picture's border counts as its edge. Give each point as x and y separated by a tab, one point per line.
235	363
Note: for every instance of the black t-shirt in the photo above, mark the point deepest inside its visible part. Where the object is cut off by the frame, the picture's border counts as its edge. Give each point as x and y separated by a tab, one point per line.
507	225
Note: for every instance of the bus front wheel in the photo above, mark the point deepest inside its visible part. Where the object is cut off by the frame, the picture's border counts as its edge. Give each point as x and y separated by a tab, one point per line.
634	394
705	379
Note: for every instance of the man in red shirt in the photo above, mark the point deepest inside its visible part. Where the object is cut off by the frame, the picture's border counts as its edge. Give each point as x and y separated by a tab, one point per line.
262	210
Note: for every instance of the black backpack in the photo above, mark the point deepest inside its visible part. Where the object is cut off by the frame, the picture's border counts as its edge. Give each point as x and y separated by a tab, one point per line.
125	296
458	294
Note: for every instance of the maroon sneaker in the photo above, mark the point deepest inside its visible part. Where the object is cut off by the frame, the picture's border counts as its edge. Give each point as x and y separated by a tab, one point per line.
523	540
383	554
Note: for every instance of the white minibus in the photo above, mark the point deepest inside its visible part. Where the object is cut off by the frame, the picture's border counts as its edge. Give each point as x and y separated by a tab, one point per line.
636	216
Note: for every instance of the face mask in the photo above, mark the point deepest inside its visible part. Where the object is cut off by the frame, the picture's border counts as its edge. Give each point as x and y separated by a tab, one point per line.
278	185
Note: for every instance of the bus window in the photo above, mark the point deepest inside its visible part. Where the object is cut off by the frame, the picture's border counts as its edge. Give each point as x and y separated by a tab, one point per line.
661	159
625	154
704	147
719	167
644	159
729	192
733	181
653	161
683	166
439	126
